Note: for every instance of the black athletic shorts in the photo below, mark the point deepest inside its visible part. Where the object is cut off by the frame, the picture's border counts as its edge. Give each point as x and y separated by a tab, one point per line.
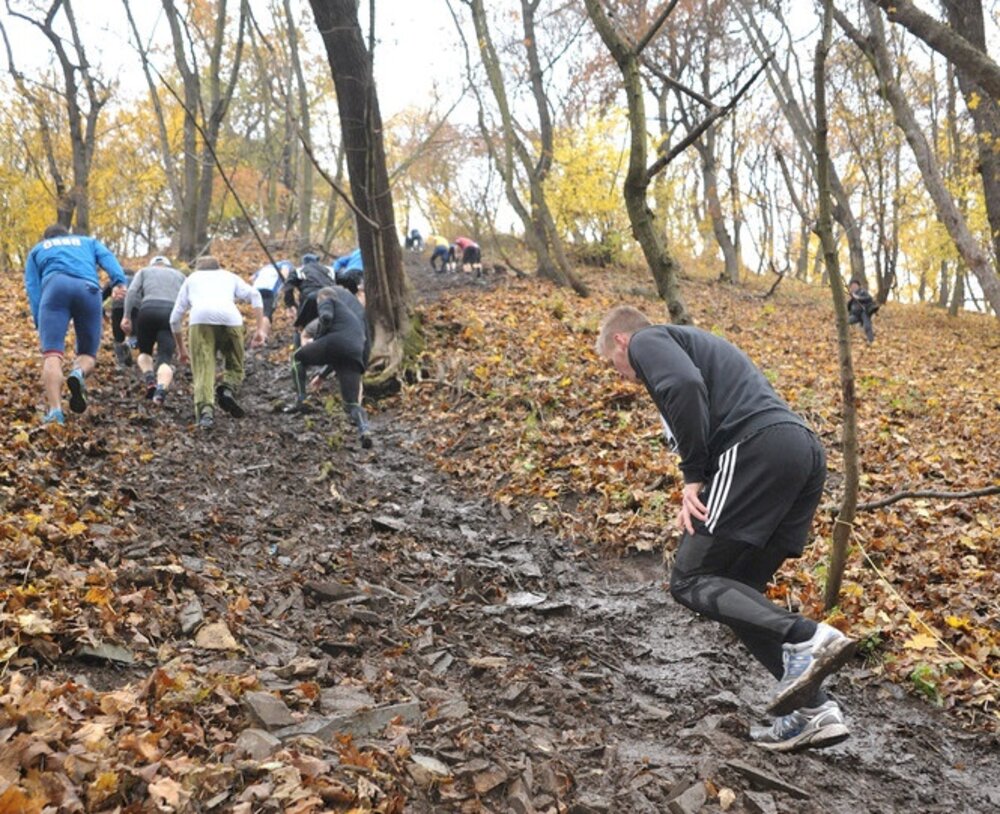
152	327
766	489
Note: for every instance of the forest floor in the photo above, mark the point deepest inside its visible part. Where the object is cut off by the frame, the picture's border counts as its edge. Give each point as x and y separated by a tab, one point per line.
271	618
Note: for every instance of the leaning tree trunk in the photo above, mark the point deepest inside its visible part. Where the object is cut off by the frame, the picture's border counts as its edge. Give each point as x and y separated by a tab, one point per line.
386	290
966	17
824	228
874	48
662	263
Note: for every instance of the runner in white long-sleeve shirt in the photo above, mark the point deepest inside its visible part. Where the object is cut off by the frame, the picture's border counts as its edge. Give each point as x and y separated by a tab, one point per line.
210	294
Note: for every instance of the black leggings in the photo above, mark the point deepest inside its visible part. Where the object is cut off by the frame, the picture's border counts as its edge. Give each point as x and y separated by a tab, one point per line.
725	581
152	327
327	352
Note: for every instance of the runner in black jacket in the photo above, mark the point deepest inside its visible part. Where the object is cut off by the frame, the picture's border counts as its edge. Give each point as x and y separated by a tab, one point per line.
753	476
307	280
337	340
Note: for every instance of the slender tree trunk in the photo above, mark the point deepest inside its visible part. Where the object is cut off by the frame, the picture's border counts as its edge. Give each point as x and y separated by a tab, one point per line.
539	226
824	228
804	133
662	263
306	183
386	289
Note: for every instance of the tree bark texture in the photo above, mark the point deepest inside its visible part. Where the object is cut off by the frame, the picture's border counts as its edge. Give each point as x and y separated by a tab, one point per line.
386	289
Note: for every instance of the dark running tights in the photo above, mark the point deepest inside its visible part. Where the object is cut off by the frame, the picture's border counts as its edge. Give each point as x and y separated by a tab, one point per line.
725	581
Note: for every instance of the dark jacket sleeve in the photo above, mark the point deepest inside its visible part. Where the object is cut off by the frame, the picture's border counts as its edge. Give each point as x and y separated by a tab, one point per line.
680	394
289	289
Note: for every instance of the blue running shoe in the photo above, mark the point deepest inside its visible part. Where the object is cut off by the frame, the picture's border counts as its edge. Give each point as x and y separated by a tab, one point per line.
806	665
55	416
77	391
803	729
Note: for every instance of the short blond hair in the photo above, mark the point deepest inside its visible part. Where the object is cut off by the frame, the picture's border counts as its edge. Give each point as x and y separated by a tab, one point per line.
622	319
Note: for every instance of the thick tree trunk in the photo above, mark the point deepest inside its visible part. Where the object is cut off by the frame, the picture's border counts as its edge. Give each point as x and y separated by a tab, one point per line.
386	289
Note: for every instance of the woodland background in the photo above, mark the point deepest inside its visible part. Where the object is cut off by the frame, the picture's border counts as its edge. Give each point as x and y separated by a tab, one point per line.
660	153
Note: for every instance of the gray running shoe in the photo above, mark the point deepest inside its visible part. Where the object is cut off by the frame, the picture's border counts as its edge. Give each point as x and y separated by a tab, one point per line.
77	391
207	419
803	729
806	665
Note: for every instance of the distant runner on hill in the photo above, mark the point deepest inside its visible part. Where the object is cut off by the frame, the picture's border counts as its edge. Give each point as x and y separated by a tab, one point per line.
60	278
860	308
349	271
753	476
471	255
439	251
307	281
268	280
151	297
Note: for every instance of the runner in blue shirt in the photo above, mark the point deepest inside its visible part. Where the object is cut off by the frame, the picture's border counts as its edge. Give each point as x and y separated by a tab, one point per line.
349	271
61	281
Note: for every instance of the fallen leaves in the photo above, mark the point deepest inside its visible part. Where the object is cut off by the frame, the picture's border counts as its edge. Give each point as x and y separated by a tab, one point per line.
548	430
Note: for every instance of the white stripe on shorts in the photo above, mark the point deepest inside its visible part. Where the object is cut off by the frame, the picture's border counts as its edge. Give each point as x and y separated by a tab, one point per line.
720	487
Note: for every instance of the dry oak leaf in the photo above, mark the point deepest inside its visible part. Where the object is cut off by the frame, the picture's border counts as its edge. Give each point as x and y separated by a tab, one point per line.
15	801
216	636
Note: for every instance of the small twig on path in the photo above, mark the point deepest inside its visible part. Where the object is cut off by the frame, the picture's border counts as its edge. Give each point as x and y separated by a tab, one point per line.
887	501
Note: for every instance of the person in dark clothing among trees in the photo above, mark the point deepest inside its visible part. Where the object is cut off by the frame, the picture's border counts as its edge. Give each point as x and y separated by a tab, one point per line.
753	476
860	308
307	281
336	341
123	353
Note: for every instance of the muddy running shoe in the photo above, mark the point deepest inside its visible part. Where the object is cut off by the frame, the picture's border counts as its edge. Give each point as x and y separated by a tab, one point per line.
207	419
300	406
227	401
803	729
159	395
149	380
123	354
77	391
806	665
54	416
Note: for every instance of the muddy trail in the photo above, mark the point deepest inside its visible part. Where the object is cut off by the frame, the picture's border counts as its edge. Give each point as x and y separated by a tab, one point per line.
521	673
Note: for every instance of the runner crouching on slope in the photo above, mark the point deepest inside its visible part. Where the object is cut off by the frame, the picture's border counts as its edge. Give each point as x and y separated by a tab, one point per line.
753	477
337	340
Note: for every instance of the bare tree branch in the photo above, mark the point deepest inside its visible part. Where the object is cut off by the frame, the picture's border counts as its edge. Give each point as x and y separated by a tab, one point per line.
929	493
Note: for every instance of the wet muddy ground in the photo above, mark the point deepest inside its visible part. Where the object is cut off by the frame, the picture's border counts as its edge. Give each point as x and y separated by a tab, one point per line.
525	673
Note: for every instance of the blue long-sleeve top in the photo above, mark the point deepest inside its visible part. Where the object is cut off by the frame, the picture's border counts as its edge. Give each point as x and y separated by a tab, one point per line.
76	255
349	262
